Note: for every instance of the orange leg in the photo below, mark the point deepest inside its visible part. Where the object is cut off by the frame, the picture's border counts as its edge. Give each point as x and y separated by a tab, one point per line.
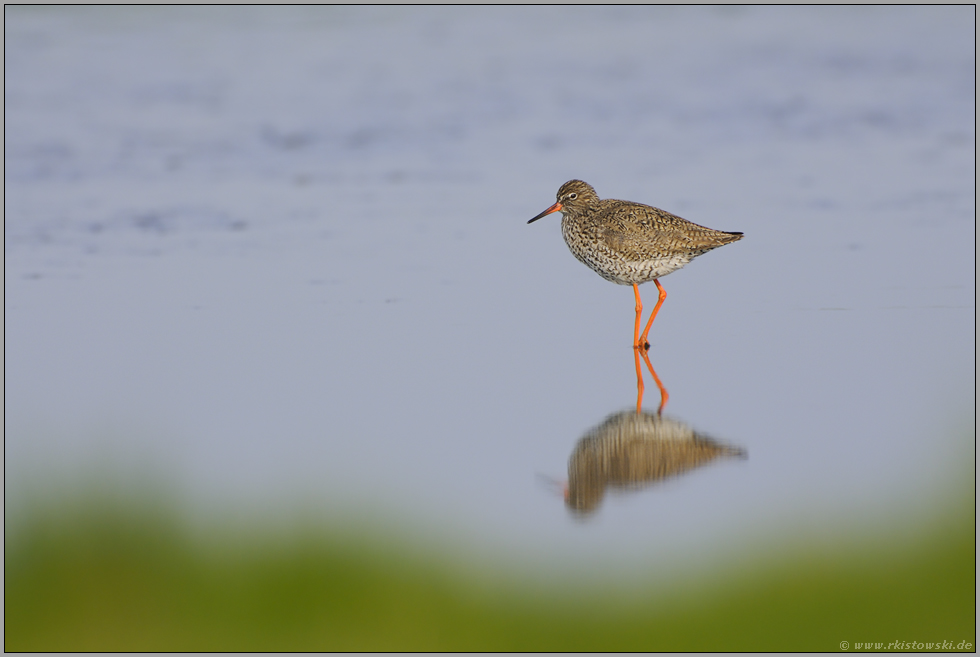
663	391
639	381
636	326
642	342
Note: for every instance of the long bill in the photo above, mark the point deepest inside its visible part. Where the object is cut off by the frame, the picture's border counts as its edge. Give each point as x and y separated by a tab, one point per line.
554	208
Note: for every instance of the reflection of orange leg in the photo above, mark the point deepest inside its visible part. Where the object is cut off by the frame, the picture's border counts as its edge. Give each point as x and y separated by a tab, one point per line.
639	380
642	342
663	390
636	326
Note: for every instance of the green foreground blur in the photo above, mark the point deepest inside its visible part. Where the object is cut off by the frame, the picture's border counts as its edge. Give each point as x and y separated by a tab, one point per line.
97	577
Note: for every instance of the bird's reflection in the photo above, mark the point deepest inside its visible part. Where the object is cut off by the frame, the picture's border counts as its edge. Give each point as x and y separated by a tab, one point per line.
632	449
639	380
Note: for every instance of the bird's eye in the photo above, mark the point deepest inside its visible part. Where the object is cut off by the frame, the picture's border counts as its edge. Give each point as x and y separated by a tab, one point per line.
572	196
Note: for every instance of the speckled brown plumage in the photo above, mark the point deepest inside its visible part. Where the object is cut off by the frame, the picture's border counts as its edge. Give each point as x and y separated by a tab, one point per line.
629	450
630	243
626	242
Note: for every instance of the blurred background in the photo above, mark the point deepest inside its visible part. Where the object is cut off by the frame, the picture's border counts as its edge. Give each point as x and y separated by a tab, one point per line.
285	368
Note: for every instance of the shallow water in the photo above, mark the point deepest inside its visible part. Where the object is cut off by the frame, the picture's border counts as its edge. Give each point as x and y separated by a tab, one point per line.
280	257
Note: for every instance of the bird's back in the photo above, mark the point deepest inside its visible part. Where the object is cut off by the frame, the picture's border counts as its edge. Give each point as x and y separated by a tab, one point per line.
643	231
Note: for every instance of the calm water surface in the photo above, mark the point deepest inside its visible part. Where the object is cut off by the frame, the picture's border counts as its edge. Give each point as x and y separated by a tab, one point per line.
279	258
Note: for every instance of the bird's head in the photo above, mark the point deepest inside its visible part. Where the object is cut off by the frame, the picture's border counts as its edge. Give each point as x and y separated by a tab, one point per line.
574	196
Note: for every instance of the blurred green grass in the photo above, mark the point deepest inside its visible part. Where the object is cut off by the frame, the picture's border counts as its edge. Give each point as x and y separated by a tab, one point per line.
99	576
